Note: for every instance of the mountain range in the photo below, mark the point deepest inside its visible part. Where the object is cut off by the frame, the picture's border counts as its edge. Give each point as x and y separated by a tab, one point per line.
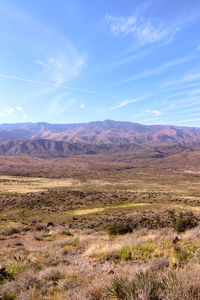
106	138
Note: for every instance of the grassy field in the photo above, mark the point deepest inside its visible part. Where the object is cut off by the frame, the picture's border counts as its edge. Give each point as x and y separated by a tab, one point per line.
120	234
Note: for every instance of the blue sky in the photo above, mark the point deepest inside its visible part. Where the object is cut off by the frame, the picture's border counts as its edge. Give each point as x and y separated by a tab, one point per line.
64	61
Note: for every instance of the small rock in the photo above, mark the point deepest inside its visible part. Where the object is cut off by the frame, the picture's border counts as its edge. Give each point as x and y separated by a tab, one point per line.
111	271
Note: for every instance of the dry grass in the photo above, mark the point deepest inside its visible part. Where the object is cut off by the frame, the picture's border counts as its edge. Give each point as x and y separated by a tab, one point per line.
15	184
81	212
75	257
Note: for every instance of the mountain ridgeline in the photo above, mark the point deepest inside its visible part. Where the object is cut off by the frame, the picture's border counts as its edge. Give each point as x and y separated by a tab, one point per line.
61	140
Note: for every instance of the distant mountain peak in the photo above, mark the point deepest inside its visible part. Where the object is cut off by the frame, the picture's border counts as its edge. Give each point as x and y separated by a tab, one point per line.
92	137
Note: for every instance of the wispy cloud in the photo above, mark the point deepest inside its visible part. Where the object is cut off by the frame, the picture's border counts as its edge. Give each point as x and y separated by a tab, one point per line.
195	92
156	113
190	76
125	102
82	105
8	110
19	108
40	82
62	68
158	70
144	30
60	104
125	60
58	59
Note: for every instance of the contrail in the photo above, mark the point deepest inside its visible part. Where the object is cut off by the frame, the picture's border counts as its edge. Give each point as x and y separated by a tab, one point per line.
56	86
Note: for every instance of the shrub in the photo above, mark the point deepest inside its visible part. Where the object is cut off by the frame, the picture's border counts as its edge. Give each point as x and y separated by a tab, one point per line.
24	282
10	272
4	275
12	230
144	286
185	222
181	254
179	286
66	233
70	245
40	227
9	291
15	269
119	228
119	289
73	243
51	274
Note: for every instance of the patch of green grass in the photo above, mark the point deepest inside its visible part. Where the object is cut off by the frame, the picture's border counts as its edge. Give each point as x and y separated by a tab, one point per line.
73	243
11	272
125	253
135	253
15	269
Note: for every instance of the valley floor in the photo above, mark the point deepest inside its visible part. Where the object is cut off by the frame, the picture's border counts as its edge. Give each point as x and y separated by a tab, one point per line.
126	234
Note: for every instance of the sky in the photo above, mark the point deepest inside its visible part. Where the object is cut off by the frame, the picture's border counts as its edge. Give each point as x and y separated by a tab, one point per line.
64	61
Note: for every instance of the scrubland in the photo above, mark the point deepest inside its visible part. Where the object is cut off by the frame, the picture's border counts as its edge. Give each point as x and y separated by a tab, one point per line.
129	234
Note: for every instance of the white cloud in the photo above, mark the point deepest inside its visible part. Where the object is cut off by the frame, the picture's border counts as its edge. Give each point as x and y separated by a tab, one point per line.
171	106
83	105
19	108
145	30
1	114
61	68
156	113
125	102
8	110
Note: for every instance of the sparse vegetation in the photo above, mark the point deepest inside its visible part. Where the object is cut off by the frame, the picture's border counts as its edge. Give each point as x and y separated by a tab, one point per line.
108	248
119	228
183	223
144	286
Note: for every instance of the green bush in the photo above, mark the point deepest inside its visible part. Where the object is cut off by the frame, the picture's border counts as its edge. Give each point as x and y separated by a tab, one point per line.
144	286
119	228
4	275
10	272
185	222
181	254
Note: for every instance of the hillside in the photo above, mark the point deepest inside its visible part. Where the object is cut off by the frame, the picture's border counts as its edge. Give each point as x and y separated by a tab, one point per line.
108	141
105	132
